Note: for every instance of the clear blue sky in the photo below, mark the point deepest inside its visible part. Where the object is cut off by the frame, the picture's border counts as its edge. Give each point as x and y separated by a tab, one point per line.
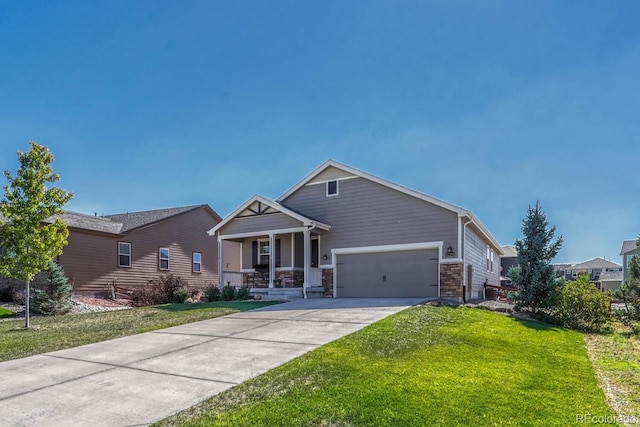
490	105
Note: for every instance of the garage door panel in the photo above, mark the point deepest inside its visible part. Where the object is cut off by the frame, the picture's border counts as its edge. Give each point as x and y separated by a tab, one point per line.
388	274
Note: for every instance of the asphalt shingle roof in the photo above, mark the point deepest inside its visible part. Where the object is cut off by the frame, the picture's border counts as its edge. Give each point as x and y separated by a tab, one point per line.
132	220
90	222
611	276
595	263
509	251
627	246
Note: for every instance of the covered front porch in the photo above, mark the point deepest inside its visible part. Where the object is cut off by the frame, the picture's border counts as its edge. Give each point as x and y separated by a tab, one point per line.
279	251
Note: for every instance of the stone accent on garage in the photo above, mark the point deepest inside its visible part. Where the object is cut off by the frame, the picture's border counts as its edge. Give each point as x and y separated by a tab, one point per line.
451	280
327	282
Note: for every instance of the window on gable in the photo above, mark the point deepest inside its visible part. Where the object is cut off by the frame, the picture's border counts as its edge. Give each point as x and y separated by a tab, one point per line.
332	188
124	254
163	258
197	262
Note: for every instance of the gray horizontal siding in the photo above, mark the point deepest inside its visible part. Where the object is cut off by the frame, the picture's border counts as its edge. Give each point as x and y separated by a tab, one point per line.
259	223
475	253
366	214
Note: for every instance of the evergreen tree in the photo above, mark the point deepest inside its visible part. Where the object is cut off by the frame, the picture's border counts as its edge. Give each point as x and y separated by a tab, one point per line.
629	292
55	295
30	236
534	276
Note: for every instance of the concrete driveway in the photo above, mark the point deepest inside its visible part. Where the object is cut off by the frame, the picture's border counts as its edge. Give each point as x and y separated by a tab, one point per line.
144	378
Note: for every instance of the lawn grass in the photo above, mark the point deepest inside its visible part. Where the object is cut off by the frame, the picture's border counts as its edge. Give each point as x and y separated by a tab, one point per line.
60	332
616	358
424	366
6	313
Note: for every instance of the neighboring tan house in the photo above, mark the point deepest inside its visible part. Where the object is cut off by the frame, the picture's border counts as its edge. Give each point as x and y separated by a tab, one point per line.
341	232
507	260
604	273
130	249
628	251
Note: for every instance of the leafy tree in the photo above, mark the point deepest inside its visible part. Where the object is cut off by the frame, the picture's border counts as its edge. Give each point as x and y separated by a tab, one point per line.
629	292
32	236
55	295
534	276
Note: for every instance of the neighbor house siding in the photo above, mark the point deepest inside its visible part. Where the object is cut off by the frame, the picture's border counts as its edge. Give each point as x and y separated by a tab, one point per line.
475	253
625	262
90	261
182	234
367	214
259	223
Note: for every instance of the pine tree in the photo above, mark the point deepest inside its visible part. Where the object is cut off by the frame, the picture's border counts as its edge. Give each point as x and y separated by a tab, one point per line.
534	276
55	295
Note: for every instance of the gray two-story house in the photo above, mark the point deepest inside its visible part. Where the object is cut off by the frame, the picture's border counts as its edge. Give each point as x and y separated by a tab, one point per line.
341	232
629	250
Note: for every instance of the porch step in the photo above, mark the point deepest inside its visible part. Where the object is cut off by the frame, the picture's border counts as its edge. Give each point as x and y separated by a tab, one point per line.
287	294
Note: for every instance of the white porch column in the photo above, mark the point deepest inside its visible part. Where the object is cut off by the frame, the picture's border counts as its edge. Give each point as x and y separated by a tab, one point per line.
220	262
272	259
307	261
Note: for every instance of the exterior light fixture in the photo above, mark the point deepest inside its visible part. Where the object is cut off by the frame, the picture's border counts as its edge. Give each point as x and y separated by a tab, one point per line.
450	251
325	257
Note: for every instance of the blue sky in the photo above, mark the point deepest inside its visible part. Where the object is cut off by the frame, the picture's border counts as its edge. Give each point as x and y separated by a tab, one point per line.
490	105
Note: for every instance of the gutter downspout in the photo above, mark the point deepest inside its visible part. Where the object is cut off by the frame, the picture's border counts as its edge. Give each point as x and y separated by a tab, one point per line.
464	266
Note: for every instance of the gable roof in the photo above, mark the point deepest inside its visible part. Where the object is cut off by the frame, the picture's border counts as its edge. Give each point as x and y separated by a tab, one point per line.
353	172
611	276
595	263
627	246
509	251
134	220
270	206
91	222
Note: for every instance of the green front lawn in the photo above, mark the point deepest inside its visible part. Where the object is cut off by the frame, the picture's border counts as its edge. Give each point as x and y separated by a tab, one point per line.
6	313
424	366
59	332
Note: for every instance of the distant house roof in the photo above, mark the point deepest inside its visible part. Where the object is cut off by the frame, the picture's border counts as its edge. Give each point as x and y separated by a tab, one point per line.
595	263
562	267
627	246
611	276
125	222
91	222
134	220
509	251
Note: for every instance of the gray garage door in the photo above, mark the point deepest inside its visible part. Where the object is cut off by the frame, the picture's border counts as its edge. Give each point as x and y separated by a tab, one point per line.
388	274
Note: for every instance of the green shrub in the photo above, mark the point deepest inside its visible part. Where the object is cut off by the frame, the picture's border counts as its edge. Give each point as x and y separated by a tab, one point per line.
228	293
160	291
578	304
212	293
55	295
629	294
7	293
242	293
181	295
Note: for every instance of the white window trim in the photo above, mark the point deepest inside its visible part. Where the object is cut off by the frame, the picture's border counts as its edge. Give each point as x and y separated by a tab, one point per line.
160	259
260	255
121	254
337	188
193	262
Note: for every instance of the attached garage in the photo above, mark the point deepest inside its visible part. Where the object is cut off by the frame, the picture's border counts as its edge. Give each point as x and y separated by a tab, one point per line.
387	274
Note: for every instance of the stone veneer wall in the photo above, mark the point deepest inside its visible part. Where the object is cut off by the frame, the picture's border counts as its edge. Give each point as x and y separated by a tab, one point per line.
327	282
288	279
451	280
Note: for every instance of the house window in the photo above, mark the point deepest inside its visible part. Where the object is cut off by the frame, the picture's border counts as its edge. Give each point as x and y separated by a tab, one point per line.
488	258
163	258
491	269
124	254
263	252
315	252
197	262
332	188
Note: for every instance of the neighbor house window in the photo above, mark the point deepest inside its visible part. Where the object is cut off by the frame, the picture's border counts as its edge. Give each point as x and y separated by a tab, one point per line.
197	262
491	269
124	254
332	188
163	258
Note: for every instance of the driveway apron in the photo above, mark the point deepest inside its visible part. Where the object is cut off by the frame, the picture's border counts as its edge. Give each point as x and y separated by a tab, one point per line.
143	378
